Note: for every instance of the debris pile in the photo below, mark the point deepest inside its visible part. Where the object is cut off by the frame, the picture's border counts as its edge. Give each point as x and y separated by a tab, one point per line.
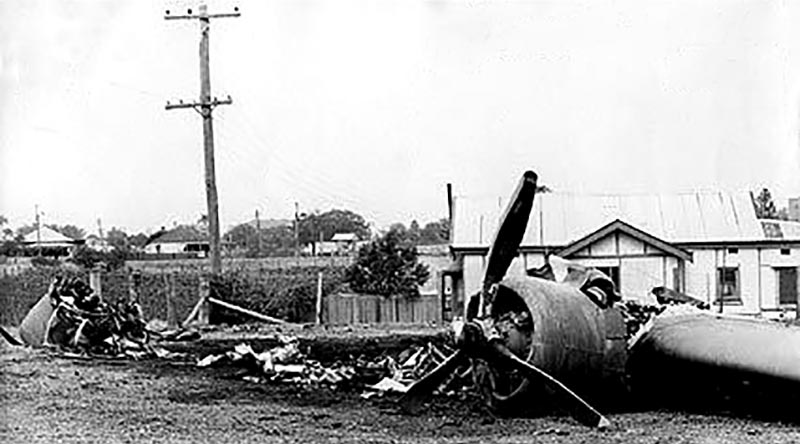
637	314
287	364
73	317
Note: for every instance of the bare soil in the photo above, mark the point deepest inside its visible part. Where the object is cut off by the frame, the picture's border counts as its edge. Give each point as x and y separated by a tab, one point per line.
46	397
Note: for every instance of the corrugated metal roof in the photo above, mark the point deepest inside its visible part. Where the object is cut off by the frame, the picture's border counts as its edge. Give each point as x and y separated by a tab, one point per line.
558	219
781	229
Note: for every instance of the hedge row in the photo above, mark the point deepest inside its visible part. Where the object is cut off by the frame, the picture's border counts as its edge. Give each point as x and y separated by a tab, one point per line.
288	293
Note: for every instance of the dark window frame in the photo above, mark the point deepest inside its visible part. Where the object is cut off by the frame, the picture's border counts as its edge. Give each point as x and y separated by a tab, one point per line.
778	271
729	285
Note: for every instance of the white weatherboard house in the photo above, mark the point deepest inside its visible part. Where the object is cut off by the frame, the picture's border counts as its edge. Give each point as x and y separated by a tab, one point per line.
709	245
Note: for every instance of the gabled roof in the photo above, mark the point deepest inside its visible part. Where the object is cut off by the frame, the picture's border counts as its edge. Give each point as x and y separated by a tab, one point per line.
344	237
559	219
49	236
622	227
179	234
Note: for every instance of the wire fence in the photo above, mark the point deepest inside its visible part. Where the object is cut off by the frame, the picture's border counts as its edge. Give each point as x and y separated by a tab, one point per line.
283	289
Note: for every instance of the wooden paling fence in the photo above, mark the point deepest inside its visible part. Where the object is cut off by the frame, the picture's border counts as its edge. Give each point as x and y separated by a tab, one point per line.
350	308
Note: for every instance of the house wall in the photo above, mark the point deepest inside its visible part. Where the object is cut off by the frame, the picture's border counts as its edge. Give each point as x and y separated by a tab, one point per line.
166	248
642	268
757	276
770	260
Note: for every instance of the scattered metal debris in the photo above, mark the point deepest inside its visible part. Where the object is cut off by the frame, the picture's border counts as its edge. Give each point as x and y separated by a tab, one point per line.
286	364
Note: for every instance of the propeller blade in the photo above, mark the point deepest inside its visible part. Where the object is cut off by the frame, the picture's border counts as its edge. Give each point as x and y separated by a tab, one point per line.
422	390
580	409
510	231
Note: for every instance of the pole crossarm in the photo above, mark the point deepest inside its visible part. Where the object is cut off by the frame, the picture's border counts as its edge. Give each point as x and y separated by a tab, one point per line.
198	106
201	15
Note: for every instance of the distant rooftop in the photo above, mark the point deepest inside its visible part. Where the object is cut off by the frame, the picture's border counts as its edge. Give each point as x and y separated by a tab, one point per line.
344	237
179	234
47	235
266	224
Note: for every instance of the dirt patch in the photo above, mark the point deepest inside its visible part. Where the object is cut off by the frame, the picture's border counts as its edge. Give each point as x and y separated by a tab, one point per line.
48	398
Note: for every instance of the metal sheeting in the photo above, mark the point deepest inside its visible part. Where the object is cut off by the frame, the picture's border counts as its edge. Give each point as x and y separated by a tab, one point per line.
781	229
559	219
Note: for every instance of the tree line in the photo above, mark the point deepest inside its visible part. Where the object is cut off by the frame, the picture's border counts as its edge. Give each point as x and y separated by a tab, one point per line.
249	240
286	239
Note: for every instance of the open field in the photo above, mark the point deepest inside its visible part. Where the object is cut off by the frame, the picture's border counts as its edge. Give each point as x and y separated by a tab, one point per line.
47	398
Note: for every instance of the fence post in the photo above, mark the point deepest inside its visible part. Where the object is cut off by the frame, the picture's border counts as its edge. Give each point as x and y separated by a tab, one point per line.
134	286
95	279
205	292
319	298
172	318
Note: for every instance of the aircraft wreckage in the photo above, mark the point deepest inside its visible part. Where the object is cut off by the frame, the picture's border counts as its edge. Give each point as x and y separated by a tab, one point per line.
554	339
532	341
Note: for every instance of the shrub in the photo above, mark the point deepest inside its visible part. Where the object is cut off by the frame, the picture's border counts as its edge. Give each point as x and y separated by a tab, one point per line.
387	266
287	293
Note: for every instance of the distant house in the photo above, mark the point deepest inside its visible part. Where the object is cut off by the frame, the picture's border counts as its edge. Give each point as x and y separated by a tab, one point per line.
97	243
183	239
437	259
341	244
708	245
345	243
50	242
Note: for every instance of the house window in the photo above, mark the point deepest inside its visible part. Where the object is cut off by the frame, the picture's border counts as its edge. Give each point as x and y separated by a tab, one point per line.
787	285
613	273
728	285
786	251
733	250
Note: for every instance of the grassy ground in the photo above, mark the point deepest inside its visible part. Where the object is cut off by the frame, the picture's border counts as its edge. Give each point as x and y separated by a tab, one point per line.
46	397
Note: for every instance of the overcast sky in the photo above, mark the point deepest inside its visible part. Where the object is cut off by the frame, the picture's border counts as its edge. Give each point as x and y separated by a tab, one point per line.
374	105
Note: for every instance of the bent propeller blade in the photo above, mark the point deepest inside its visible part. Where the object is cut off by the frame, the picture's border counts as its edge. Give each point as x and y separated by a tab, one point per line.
422	390
578	408
510	231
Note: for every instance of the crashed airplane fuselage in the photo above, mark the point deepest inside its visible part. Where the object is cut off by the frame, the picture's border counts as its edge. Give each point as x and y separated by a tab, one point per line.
536	342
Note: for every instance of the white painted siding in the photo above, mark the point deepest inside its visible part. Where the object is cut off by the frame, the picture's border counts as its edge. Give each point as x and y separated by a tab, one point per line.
603	247
701	275
534	260
771	259
473	273
629	245
166	248
597	261
639	275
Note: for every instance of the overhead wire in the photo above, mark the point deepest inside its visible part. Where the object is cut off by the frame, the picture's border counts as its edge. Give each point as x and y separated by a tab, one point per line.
316	182
290	177
320	176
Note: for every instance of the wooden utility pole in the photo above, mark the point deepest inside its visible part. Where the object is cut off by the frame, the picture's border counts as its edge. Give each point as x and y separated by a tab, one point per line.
296	229
204	107
38	231
258	235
